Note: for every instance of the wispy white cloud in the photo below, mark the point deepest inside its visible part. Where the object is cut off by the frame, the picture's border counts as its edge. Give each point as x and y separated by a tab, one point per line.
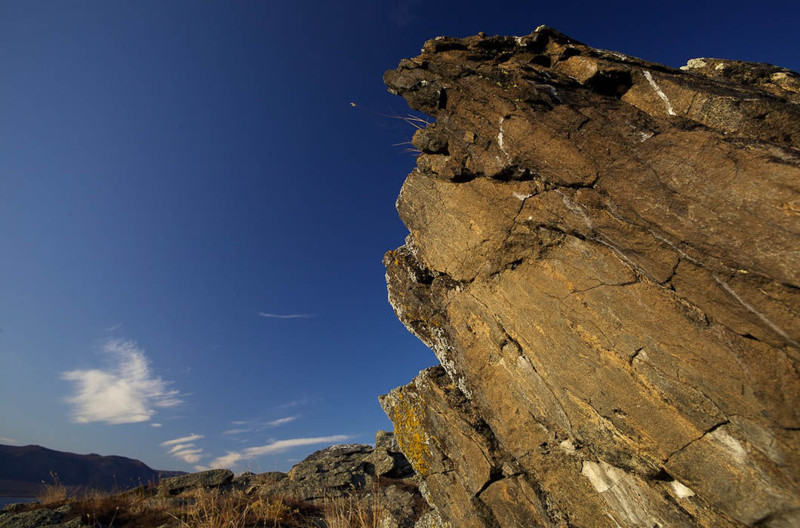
183	440
286	316
155	424
126	391
7	440
294	403
190	456
227	461
183	448
232	458
179	447
282	421
279	446
255	426
241	430
114	328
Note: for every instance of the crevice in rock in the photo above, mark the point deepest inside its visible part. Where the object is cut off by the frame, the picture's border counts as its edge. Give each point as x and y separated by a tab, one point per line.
464	177
705	433
668	281
634	356
663	476
495	474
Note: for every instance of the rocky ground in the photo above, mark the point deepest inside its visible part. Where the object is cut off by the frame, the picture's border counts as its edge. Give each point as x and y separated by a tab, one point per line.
341	486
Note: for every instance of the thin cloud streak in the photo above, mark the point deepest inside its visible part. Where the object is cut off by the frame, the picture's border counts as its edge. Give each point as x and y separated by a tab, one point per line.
302	401
183	440
282	421
286	316
237	431
280	446
125	392
258	426
183	448
234	457
190	456
179	447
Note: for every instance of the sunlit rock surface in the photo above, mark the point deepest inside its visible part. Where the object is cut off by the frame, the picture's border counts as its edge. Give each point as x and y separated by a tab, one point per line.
604	254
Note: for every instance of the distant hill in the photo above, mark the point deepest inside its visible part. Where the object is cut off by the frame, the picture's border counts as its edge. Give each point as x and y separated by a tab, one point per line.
23	469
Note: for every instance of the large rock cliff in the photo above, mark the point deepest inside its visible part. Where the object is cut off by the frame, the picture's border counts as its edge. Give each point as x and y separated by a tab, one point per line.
604	255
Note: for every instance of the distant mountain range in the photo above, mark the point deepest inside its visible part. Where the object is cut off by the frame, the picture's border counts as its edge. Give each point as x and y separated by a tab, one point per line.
23	470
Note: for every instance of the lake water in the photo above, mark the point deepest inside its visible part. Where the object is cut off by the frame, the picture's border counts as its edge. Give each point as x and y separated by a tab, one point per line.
4	501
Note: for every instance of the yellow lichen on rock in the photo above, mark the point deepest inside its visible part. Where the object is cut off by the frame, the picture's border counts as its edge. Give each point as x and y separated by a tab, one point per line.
405	411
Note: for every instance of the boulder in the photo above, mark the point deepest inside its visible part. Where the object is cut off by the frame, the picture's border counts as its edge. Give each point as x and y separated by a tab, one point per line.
213	478
366	475
251	482
331	472
387	460
603	255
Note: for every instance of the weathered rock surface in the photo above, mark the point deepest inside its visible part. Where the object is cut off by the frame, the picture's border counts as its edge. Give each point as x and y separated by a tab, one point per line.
31	519
213	478
342	470
604	254
339	469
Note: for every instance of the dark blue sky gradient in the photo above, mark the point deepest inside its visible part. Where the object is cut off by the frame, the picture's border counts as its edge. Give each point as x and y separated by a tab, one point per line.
174	168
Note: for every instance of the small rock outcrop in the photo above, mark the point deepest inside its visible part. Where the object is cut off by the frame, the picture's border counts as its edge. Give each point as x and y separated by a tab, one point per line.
604	255
214	478
337	470
342	470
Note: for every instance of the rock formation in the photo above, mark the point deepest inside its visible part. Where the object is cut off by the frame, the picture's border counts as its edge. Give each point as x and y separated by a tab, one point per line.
604	255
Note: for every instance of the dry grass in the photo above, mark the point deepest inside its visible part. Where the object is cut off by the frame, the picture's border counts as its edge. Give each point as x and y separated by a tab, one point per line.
413	120
209	509
355	511
418	123
128	510
52	492
202	508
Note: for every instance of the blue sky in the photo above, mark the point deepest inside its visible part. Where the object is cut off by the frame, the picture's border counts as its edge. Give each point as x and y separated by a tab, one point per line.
193	215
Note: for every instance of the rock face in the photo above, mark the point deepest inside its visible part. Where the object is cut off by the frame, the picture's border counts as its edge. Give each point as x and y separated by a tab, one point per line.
604	255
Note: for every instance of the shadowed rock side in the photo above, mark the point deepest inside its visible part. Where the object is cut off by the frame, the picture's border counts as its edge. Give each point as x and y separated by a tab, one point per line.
603	254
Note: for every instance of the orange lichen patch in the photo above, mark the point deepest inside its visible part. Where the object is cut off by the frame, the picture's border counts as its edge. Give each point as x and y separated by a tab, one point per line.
406	411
